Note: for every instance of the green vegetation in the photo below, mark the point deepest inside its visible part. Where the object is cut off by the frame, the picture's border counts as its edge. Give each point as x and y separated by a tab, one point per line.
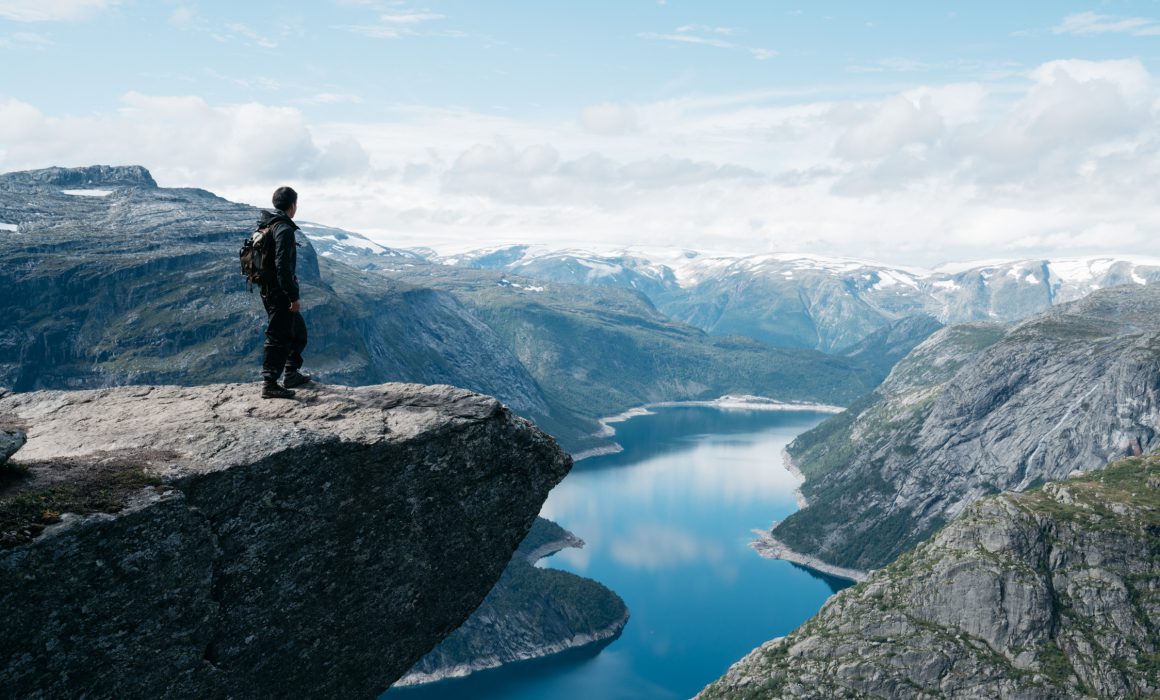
29	502
529	608
543	532
827	446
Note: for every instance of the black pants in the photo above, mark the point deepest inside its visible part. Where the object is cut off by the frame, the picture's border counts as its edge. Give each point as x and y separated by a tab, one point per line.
285	338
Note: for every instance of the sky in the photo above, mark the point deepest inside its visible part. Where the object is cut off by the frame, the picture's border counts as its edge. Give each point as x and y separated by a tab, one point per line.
911	133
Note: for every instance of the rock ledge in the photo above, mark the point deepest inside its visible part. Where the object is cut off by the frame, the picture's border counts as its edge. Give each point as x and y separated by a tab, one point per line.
274	548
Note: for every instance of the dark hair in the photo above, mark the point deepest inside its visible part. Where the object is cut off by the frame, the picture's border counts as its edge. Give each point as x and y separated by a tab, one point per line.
284	198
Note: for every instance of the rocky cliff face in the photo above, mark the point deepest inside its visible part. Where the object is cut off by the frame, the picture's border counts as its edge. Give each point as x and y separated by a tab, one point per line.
199	542
531	613
1051	594
976	410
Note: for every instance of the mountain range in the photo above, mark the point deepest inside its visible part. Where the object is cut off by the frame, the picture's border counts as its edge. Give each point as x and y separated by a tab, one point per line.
830	304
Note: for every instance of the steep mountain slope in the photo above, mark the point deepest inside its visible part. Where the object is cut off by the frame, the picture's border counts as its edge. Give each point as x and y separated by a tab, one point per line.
811	301
203	543
975	410
1052	594
531	613
881	351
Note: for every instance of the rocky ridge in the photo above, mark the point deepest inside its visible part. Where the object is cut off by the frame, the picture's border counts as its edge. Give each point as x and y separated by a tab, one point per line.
1052	594
200	542
976	410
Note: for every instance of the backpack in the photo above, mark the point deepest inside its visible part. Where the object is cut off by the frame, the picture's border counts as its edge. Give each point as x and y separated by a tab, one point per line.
257	257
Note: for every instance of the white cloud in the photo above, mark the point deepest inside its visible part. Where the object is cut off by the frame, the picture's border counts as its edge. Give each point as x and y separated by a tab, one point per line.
708	36
1060	160
704	29
1128	74
1085	23
52	10
331	98
536	174
25	40
396	21
182	16
184	139
899	65
690	39
893	124
409	17
609	118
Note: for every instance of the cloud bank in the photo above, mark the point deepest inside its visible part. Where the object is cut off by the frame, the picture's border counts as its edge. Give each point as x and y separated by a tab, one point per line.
1060	159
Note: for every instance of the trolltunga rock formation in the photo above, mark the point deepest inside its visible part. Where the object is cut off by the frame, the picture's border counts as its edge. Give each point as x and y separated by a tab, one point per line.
201	542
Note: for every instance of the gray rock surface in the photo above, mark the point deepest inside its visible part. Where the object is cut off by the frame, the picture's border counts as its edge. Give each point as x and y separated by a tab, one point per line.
1052	594
308	548
976	410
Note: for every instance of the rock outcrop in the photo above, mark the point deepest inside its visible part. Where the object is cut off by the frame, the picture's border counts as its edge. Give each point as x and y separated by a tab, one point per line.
531	613
1052	594
976	410
201	542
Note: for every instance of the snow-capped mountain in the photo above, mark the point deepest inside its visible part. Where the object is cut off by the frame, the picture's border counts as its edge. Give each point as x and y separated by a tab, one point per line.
573	267
355	249
813	301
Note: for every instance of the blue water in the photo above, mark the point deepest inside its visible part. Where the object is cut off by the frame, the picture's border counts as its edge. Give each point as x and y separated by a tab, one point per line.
668	523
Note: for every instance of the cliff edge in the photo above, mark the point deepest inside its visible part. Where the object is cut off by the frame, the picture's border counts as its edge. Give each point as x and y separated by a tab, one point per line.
201	542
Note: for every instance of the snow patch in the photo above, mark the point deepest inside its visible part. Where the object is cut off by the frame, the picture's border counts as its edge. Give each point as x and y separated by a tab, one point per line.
600	269
1080	271
887	278
88	193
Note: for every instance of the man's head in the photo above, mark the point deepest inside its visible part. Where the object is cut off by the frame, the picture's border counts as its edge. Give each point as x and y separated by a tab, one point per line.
286	199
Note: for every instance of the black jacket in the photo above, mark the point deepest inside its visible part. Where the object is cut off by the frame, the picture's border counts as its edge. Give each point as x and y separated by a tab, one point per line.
285	254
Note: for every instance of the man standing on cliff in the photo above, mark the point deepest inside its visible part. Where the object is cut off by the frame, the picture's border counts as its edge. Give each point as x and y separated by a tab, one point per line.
286	331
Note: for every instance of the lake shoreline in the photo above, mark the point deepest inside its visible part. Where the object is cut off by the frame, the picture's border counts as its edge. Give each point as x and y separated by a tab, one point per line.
743	402
791	466
575	643
770	547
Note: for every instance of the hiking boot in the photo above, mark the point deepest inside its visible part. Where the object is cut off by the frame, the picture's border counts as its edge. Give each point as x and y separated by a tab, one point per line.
272	390
294	378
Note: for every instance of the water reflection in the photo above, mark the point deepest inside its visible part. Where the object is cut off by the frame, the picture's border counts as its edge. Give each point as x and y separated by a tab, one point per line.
667	524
